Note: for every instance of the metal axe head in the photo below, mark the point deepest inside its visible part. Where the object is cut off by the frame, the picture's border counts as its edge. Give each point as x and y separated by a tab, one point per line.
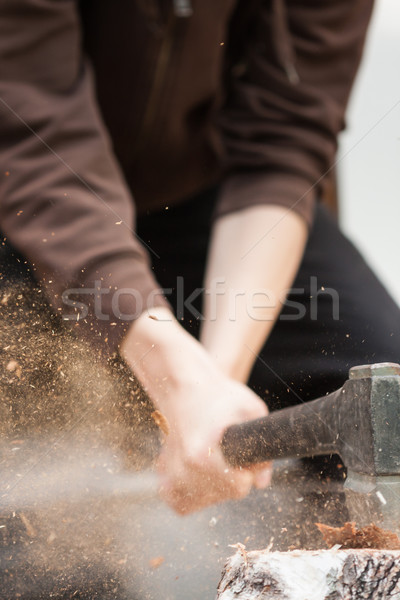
360	421
370	444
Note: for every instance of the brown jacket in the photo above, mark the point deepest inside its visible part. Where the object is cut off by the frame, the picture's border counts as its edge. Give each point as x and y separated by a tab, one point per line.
250	93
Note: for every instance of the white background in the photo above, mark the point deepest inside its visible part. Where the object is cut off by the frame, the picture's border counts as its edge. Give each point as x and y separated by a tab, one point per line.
369	153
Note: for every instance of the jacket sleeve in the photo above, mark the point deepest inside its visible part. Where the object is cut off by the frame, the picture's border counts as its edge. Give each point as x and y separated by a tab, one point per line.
286	101
64	204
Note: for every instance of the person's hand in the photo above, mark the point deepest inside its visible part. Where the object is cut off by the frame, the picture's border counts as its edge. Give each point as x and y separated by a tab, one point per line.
193	471
198	403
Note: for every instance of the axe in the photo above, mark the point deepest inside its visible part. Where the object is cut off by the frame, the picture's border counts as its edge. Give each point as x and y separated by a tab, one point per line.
360	422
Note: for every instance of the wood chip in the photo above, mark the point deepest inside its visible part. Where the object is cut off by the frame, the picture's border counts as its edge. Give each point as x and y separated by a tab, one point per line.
241	548
161	421
156	562
14	367
349	536
30	530
5	298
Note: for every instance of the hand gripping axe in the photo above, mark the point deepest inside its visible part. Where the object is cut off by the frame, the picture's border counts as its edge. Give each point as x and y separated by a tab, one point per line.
360	422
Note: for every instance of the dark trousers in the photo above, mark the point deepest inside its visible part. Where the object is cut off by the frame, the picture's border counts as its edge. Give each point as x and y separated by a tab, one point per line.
348	319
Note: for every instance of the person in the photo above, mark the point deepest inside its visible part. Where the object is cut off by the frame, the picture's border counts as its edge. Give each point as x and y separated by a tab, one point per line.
220	119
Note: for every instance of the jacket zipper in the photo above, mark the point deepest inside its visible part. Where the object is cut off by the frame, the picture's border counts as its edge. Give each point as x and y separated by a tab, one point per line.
181	9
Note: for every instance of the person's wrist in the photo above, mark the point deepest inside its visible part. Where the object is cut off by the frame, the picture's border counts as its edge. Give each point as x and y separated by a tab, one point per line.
233	361
164	357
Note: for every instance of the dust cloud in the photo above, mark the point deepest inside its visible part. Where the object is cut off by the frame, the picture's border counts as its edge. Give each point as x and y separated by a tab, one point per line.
73	429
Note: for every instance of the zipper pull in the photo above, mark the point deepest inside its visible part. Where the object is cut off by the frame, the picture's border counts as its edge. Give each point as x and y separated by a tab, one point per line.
183	8
291	73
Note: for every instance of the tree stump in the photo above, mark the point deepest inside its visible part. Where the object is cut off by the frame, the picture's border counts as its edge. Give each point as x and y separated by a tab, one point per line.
333	574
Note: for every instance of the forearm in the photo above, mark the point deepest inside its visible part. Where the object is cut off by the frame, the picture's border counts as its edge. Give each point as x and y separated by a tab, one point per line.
254	256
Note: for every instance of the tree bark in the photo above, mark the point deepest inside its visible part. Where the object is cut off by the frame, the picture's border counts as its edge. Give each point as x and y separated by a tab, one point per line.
311	575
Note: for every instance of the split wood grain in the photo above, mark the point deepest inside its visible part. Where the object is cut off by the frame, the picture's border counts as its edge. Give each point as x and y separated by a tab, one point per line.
312	575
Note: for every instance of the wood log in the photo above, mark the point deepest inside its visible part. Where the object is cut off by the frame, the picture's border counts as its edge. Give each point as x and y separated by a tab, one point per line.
333	574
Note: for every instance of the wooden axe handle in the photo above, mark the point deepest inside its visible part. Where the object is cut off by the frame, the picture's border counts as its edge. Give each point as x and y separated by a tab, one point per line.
308	429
